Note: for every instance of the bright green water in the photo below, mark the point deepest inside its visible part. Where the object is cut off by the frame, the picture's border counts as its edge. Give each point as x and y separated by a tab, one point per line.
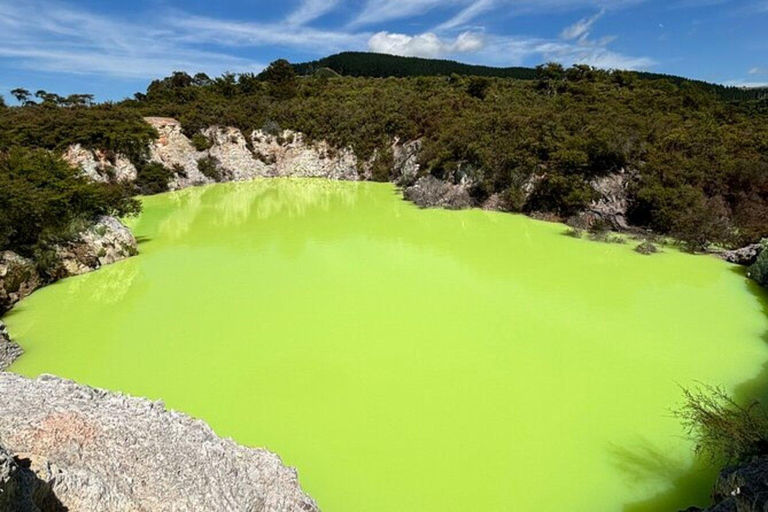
409	360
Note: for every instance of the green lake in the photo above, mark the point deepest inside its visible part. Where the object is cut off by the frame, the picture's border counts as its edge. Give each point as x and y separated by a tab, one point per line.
410	360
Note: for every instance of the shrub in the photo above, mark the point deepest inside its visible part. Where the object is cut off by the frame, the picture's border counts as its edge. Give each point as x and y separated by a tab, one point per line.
563	195
209	166
153	178
759	270
646	248
42	197
722	429
574	233
201	142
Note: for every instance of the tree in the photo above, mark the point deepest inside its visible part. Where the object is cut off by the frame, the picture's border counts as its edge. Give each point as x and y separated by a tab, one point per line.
478	87
281	78
48	98
549	77
22	96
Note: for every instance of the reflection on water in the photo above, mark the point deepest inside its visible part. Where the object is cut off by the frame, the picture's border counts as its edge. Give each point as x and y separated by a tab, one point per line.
406	359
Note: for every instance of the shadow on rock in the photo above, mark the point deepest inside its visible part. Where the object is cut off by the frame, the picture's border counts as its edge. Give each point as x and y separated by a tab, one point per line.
21	490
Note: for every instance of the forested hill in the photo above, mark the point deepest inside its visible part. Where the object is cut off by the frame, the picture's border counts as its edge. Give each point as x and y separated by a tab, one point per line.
377	65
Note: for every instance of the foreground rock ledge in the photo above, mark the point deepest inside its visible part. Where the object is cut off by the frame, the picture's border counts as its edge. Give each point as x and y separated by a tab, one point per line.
81	449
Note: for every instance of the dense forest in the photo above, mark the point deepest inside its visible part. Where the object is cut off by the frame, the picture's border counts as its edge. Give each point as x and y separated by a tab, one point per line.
700	164
377	65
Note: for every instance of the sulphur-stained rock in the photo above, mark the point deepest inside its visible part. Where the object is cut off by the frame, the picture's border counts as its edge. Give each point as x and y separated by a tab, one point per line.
430	192
18	278
290	155
9	350
175	151
99	450
99	166
103	243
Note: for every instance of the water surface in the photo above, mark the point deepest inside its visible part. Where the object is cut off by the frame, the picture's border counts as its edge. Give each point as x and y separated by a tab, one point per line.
404	359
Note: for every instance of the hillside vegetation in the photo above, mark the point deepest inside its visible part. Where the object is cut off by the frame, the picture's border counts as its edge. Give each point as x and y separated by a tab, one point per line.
377	65
700	163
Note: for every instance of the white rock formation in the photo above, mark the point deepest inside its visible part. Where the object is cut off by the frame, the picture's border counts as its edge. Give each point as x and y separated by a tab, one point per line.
98	167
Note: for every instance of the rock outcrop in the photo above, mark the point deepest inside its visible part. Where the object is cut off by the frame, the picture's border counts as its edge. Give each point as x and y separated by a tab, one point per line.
9	349
743	256
175	151
740	489
103	243
405	157
98	450
100	166
612	202
290	155
430	192
18	278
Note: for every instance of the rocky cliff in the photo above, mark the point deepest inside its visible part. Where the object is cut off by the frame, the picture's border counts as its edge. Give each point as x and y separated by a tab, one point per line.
83	449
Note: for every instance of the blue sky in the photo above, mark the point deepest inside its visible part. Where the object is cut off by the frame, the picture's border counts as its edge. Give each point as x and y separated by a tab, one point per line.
114	48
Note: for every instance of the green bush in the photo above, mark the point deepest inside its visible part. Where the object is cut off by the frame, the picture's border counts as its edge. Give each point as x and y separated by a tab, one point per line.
646	248
153	178
201	142
210	168
759	270
42	197
563	195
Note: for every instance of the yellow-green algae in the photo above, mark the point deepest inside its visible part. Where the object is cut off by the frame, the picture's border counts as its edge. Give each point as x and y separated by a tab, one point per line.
406	359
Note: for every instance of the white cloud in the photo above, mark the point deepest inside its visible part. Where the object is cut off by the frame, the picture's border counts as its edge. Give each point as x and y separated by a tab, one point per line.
582	27
61	39
197	29
77	41
468	14
378	11
758	71
310	10
427	45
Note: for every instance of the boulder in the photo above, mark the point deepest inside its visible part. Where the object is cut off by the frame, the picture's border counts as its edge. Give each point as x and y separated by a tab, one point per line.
741	489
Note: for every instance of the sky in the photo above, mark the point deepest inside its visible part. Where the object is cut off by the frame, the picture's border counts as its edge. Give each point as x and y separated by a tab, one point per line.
113	49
